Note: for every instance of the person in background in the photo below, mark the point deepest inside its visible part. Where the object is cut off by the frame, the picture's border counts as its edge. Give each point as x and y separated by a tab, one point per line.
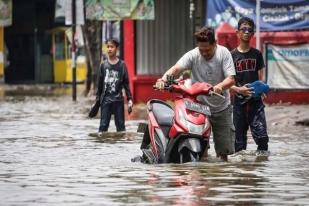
249	65
211	63
112	79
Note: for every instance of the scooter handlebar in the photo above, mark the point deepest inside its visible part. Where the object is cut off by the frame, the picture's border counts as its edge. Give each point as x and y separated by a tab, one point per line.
170	80
211	93
166	87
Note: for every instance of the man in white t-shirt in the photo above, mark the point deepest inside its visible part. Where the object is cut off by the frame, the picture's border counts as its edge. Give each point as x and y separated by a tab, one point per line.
211	63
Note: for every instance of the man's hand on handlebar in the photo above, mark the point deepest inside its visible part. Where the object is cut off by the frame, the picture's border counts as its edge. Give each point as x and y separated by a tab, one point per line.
166	82
159	84
217	89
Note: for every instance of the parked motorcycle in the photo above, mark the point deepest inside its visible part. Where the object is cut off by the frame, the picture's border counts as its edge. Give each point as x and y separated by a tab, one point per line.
181	133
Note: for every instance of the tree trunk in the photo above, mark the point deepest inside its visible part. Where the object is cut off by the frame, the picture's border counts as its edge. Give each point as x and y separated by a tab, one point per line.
92	31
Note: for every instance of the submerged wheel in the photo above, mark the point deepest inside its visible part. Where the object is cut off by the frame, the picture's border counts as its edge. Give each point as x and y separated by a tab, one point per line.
187	155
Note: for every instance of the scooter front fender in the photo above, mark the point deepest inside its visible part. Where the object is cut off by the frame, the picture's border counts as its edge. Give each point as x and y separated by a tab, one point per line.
192	144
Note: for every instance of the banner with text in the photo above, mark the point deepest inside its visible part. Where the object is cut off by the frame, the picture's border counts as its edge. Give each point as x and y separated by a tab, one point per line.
275	15
287	66
120	9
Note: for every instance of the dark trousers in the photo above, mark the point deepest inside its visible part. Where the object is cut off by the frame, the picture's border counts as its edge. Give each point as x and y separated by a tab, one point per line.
250	114
109	108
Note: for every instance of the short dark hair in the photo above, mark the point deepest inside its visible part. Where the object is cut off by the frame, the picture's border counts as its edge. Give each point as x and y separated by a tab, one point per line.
246	20
205	34
113	41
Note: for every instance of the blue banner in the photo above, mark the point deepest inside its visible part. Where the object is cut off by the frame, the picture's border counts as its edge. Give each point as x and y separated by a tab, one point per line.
275	15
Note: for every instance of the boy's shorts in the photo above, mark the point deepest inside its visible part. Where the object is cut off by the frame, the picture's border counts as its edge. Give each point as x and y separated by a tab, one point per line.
223	131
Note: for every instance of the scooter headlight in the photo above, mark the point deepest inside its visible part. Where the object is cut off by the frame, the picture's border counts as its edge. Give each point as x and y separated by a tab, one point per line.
182	118
194	129
207	124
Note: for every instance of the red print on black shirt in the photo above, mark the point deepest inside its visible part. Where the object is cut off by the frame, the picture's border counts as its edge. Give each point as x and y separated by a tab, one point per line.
244	65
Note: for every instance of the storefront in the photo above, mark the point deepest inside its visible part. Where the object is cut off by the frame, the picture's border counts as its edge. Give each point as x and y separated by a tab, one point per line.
30	42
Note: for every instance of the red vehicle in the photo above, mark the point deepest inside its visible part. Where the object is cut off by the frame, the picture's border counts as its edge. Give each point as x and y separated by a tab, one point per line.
180	134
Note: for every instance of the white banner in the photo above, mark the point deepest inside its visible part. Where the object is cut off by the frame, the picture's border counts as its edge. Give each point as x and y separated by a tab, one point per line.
64	10
288	66
1	58
5	12
79	11
115	10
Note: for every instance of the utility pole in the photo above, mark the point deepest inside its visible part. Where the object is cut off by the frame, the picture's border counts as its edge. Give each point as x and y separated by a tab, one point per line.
257	20
73	50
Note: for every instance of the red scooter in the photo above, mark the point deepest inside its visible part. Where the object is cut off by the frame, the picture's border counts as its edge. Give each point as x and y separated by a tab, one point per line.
180	134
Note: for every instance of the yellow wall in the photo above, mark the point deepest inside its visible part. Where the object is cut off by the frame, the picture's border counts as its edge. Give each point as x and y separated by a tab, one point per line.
63	66
63	71
1	51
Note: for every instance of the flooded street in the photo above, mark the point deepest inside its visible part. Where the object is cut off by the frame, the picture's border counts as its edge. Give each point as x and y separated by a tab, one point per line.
49	157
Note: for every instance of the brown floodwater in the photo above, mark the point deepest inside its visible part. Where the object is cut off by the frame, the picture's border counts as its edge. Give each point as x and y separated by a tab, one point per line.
50	156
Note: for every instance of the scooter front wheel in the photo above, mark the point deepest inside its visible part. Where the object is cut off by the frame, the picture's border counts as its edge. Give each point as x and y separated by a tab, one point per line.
187	155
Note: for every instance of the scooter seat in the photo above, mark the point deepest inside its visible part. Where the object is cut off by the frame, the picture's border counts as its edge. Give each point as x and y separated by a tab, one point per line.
163	113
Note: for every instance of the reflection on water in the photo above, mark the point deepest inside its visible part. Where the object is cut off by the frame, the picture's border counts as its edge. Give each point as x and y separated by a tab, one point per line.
50	154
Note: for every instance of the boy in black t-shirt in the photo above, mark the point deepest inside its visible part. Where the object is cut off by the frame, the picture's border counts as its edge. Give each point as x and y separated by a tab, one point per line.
113	77
249	66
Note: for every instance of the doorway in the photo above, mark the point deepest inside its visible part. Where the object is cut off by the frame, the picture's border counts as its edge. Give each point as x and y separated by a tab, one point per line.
29	43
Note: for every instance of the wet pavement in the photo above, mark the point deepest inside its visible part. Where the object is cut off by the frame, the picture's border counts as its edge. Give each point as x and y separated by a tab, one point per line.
50	156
